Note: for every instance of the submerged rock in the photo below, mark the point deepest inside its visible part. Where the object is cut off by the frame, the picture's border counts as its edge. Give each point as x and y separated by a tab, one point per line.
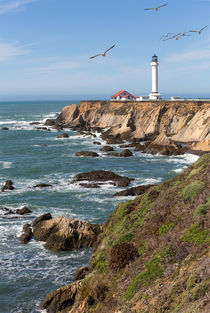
42	185
64	135
102	176
87	154
62	233
7	211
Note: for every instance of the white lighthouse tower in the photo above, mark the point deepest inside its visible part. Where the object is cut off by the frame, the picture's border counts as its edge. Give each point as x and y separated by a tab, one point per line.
155	95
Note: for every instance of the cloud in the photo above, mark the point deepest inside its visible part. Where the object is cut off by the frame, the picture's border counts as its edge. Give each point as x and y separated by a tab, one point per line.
12	5
8	51
55	67
195	55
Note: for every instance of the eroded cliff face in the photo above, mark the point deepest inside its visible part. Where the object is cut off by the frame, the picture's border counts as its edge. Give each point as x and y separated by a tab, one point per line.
153	253
187	122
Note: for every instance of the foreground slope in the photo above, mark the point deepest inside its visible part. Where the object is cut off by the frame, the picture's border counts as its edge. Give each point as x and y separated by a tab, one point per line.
153	254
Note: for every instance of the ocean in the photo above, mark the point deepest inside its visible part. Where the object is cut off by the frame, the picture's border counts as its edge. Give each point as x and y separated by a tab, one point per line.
28	157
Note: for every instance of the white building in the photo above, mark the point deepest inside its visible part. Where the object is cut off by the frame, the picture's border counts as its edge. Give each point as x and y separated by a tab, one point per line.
155	95
123	95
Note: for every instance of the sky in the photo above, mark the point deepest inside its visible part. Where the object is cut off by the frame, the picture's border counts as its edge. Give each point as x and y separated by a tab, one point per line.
45	48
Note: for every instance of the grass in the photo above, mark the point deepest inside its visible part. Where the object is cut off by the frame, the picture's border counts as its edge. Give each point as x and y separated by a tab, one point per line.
193	190
203	209
164	228
153	270
196	236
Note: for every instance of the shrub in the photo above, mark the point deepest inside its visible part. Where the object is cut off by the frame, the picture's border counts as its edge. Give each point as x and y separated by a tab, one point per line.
121	254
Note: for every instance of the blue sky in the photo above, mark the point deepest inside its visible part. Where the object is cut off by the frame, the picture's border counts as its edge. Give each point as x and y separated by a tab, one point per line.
45	47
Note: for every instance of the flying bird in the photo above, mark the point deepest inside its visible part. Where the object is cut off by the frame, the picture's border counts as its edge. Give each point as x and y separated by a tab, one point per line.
177	36
165	36
102	54
198	31
156	9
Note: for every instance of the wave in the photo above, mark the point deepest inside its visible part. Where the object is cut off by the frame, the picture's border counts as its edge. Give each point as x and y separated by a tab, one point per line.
6	164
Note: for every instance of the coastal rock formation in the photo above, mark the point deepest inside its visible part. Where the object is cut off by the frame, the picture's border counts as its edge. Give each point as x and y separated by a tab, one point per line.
183	121
153	253
164	146
26	234
134	191
97	177
62	233
87	154
8	185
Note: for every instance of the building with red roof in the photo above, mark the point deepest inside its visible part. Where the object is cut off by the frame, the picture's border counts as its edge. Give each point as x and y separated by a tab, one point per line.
123	95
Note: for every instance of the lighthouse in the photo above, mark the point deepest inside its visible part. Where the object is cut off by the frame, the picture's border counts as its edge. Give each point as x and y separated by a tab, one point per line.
155	95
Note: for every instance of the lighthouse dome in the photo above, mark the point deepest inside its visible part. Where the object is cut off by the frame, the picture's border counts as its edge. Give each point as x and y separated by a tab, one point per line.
154	58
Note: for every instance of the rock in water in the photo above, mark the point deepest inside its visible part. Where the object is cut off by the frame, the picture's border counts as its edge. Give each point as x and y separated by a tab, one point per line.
62	298
64	135
62	233
103	176
8	186
23	211
42	185
87	154
107	149
43	217
134	191
26	235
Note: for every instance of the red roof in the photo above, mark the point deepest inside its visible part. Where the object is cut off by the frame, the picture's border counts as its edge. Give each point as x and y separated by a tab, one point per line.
120	92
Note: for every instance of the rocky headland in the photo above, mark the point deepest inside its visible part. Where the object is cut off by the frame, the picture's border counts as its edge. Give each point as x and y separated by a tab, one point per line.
152	255
169	127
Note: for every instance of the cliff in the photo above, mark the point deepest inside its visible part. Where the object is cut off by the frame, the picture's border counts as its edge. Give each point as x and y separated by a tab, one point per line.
185	122
153	253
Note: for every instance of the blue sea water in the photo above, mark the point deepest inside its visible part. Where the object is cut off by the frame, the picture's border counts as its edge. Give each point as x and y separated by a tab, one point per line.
29	156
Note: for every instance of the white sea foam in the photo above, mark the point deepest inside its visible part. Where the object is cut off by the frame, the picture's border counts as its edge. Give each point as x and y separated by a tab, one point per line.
5	164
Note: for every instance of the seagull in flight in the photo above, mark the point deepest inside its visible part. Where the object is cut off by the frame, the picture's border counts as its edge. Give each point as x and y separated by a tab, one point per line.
102	54
165	35
198	31
177	36
156	9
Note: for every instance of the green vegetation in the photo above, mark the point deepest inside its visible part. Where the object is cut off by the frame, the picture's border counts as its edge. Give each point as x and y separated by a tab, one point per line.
123	209
124	238
99	262
142	249
203	209
152	272
193	190
164	228
196	236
